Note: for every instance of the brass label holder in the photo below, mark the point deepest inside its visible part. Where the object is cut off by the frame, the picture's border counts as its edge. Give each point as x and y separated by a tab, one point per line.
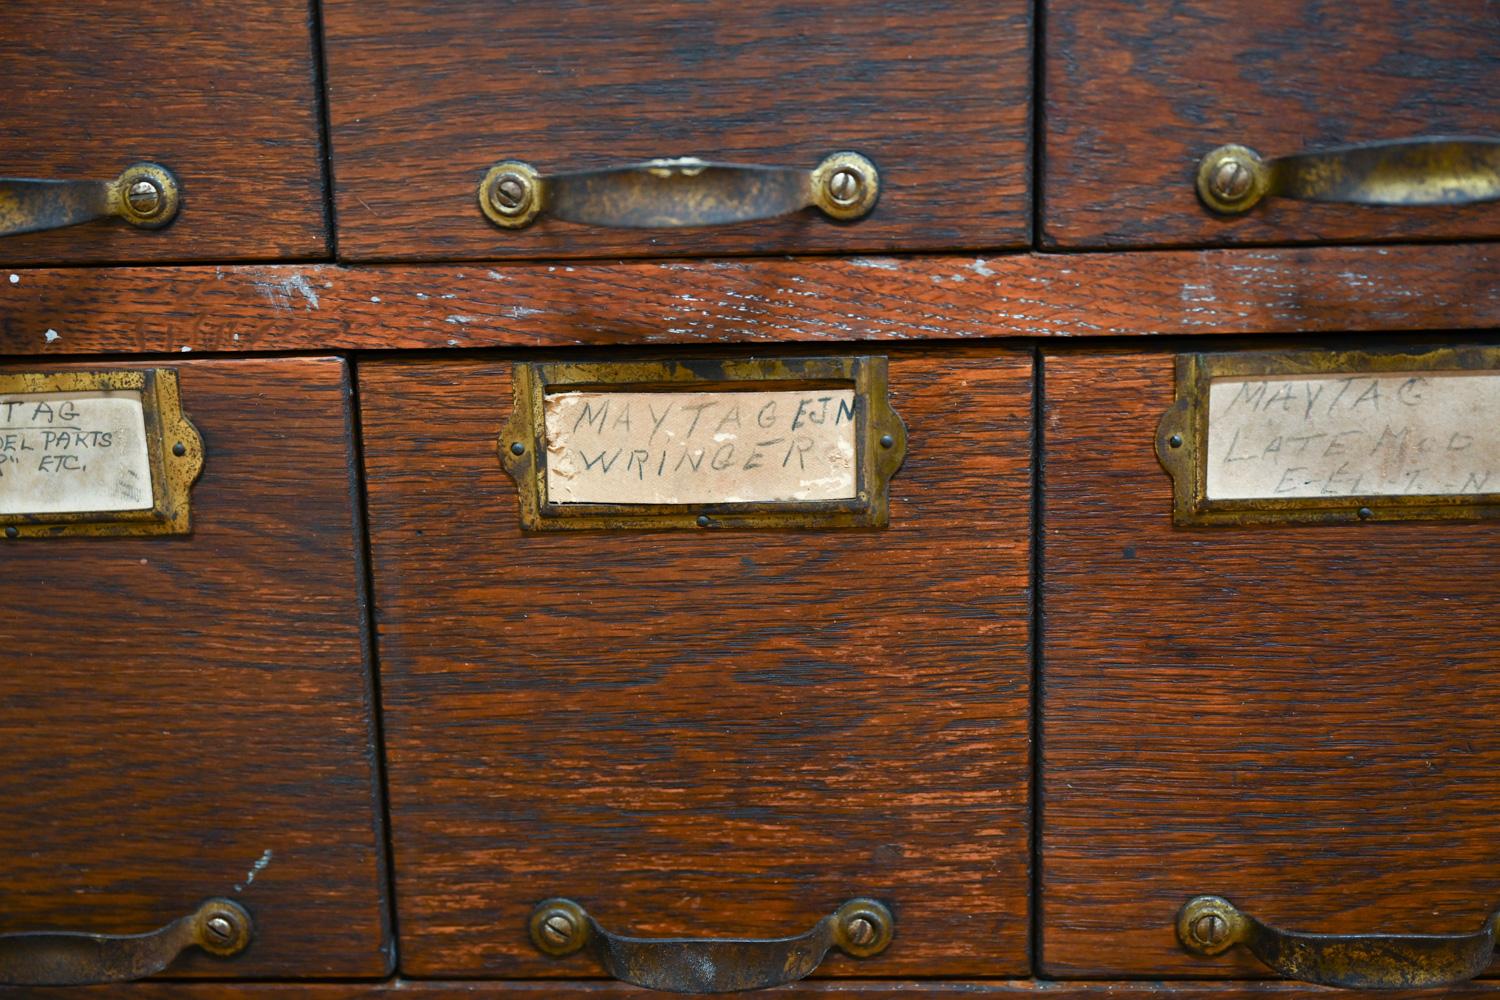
53	425
1331	437
703	444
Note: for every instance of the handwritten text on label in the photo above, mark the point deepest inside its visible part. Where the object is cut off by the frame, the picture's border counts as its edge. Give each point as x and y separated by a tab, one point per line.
73	452
1403	434
700	447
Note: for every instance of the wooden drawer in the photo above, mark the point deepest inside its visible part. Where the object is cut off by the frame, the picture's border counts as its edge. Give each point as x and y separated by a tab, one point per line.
1299	719
1136	93
187	716
425	98
223	94
705	734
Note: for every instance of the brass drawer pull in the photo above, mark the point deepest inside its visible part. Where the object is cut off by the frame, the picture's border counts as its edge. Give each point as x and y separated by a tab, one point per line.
861	928
673	194
1427	171
144	195
1208	925
59	958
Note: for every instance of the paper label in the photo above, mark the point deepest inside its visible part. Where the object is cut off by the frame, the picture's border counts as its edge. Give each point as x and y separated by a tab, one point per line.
701	447
1410	433
73	452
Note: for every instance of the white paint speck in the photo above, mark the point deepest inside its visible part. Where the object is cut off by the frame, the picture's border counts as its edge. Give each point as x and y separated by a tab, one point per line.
458	318
15	279
255	869
374	298
521	312
452	343
498	276
236	336
187	350
52	336
981	267
878	263
278	288
421	295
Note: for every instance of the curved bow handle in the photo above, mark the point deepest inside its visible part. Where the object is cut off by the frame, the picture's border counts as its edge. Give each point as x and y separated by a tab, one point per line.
1427	171
59	958
860	928
673	194
145	195
1209	925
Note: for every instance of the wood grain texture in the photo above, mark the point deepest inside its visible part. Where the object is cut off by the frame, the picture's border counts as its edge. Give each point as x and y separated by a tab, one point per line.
1137	91
187	717
313	307
223	93
424	98
706	734
1300	719
553	990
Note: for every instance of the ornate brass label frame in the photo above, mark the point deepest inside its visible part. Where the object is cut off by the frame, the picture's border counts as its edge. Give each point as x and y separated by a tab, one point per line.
1182	438
879	441
173	447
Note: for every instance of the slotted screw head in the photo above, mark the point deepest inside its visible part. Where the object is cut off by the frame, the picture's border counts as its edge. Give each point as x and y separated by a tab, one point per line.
1231	180
861	932
1210	929
220	929
558	928
144	198
844	186
509	194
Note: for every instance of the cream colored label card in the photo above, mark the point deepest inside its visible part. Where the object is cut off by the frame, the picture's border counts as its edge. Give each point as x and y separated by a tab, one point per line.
1403	434
700	447
73	452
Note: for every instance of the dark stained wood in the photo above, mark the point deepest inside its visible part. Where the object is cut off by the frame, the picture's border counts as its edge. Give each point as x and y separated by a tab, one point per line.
222	92
552	990
1137	91
706	734
179	713
424	98
311	307
1300	719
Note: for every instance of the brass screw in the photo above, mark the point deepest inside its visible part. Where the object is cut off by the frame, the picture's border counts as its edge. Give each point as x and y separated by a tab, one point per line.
509	194
144	198
558	929
1209	929
845	185
220	929
1231	180
861	932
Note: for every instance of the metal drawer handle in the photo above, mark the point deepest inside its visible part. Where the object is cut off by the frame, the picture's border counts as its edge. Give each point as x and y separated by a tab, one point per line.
1427	171
674	194
1208	925
59	958
861	928
145	195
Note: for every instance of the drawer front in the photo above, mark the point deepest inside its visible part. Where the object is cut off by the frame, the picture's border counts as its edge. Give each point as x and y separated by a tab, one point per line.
223	94
425	98
705	734
187	717
1136	93
1299	719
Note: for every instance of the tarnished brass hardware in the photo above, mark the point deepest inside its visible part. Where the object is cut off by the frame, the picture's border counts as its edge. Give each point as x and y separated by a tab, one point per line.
1427	171
220	927
35	429
1210	925
860	928
1364	440
862	422
145	195
672	194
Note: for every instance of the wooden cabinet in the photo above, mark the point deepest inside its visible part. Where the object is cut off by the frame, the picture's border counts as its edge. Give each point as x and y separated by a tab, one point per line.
224	95
188	717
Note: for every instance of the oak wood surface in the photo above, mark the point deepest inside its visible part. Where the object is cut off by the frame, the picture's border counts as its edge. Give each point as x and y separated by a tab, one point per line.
221	92
424	98
186	717
1299	719
304	307
910	990
1137	91
697	734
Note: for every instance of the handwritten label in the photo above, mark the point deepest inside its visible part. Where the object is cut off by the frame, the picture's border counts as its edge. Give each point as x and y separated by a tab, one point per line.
73	452
1405	434
700	447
